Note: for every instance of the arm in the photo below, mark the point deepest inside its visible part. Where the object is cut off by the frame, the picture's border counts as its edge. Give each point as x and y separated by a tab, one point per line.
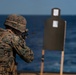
22	50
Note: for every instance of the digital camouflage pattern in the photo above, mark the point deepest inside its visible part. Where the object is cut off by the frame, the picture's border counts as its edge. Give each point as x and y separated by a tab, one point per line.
10	44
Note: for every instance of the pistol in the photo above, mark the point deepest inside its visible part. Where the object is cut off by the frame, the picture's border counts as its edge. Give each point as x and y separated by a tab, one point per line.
25	34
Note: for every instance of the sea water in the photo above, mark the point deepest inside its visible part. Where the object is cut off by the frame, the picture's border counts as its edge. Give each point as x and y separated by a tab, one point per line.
35	24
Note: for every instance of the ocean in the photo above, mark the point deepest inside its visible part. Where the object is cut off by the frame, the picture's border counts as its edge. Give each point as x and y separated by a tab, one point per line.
35	24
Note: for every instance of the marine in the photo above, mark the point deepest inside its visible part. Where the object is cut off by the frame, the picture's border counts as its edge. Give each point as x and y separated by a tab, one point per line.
12	42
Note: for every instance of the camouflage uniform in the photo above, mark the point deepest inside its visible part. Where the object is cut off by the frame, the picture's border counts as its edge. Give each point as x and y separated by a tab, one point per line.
10	44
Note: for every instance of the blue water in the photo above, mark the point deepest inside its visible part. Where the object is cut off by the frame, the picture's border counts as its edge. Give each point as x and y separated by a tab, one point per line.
35	24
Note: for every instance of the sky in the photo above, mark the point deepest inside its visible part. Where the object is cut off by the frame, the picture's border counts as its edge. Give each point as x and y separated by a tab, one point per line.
37	7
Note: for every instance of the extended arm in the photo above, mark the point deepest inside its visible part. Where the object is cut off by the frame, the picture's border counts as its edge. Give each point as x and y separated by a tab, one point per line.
22	50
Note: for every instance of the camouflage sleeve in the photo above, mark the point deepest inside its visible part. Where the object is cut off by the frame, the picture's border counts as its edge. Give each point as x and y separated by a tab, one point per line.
22	50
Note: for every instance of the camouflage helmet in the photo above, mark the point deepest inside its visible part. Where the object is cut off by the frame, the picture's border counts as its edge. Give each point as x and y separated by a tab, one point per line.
17	22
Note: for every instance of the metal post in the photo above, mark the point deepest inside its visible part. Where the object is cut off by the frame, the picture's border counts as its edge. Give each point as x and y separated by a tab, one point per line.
62	62
42	62
62	54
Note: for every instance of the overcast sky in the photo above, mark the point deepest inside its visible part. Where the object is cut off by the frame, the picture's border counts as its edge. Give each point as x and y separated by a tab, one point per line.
37	7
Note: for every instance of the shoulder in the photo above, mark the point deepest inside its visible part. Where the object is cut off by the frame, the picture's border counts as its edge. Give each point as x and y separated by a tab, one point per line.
9	31
1	30
6	30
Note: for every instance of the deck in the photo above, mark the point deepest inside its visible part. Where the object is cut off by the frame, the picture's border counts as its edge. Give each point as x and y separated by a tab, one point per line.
32	73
